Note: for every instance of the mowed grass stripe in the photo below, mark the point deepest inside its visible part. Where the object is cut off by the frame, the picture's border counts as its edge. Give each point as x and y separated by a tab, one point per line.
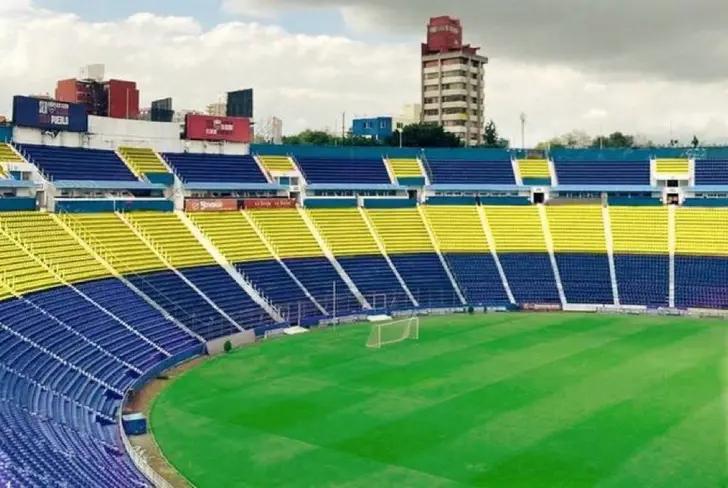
474	400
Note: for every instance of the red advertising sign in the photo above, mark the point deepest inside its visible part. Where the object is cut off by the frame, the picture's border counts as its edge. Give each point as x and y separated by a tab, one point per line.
211	204
268	203
210	128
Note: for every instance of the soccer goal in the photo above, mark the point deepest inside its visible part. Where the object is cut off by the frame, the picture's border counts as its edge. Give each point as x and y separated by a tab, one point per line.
393	332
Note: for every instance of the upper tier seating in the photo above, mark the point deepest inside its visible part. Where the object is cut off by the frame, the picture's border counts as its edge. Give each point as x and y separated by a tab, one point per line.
67	163
603	172
233	235
169	235
407	171
641	264
332	170
115	241
449	171
215	168
48	240
711	172
672	166
142	160
287	232
401	230
534	170
277	163
345	231
7	155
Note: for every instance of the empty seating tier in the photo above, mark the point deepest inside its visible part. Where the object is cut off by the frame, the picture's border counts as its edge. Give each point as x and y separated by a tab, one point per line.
449	171
115	241
534	170
426	279
233	235
478	278
347	171
516	228
457	228
142	160
701	231
639	230
375	279
7	155
603	172
401	230
19	271
67	163
711	172
287	232
170	236
48	240
406	168
672	166
277	163
215	168
322	280
577	228
345	231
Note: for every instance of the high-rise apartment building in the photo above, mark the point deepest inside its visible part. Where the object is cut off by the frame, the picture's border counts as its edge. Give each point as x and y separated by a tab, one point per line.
453	87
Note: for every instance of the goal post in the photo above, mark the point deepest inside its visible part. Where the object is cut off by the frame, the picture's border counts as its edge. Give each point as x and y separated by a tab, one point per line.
383	334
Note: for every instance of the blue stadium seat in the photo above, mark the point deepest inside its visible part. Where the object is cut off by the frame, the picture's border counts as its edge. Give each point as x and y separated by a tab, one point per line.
530	277
426	279
215	168
603	172
478	279
642	279
701	282
320	278
711	172
67	163
451	171
331	170
376	281
585	278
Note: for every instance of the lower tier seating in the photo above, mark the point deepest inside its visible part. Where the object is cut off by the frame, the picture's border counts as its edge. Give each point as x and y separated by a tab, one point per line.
701	282
478	279
376	281
585	278
183	303
227	294
426	279
530	277
272	280
642	279
321	280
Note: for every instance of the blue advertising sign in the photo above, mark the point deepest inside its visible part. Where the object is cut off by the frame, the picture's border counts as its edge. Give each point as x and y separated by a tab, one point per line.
49	114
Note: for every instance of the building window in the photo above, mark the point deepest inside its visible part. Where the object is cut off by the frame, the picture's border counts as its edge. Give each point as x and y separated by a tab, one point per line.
432	76
432	112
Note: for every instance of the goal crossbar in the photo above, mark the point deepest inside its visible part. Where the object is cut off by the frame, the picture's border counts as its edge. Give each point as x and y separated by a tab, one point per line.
383	334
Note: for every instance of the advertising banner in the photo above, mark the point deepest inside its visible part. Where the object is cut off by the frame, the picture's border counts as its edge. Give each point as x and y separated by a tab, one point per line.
210	128
49	114
268	203
211	205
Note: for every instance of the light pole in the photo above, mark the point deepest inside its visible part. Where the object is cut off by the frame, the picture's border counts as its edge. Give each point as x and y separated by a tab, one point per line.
523	130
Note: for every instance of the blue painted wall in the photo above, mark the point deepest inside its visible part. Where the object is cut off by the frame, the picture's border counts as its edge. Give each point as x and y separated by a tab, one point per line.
378	128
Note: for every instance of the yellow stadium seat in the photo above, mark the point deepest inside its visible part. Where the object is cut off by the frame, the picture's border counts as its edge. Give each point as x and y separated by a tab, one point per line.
701	231
233	235
516	228
577	228
401	230
286	230
20	271
534	168
639	230
672	166
48	240
277	163
405	168
142	160
113	239
345	231
457	228
167	233
7	155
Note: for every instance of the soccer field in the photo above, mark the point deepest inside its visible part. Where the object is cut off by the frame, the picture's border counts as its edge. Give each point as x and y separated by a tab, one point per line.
493	400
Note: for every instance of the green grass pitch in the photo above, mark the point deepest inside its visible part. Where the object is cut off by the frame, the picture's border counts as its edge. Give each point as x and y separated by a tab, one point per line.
484	400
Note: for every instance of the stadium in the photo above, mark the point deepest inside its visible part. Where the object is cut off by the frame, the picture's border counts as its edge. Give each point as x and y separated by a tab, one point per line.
182	306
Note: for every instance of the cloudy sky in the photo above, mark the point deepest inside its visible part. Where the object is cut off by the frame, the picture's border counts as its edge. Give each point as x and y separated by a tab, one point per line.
651	67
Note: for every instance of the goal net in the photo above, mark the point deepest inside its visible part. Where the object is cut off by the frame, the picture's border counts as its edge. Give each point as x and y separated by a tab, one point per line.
393	332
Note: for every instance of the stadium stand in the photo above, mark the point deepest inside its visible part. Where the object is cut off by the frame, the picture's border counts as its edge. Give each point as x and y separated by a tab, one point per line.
672	166
288	233
215	168
348	171
534	171
277	163
450	171
462	241
409	246
519	241
711	172
7	155
623	172
348	236
701	260
142	160
641	260
20	271
581	253
67	163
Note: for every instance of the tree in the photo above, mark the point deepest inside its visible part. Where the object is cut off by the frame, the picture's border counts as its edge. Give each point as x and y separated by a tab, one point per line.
491	139
576	139
311	137
614	140
425	135
696	142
